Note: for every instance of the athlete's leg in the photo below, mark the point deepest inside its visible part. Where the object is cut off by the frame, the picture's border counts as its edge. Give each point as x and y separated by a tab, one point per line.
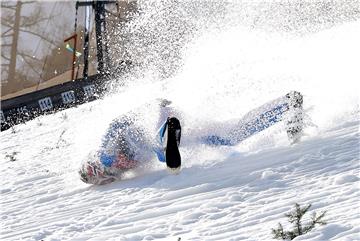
234	131
167	143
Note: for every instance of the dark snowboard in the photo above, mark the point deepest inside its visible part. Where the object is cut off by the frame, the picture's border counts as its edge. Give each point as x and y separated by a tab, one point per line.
173	157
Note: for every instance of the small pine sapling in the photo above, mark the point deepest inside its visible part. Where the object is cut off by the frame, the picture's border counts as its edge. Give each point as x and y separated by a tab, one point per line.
279	232
295	217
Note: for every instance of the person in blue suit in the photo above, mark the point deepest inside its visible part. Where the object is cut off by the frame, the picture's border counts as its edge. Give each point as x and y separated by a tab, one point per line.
125	145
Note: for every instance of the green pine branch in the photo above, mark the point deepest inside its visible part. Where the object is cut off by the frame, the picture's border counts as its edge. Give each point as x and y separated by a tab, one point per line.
295	217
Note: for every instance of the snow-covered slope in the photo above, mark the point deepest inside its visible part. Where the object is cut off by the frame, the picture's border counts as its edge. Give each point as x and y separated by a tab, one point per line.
222	193
234	196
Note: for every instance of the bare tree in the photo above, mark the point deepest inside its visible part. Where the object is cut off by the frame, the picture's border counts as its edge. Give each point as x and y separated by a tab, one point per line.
14	23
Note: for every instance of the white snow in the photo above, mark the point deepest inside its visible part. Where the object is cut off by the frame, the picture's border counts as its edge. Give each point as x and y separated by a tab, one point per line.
222	193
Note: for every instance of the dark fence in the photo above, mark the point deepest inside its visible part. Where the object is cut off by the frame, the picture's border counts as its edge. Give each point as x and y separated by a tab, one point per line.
26	107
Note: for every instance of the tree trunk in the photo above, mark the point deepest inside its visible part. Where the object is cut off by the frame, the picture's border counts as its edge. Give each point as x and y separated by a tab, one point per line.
14	45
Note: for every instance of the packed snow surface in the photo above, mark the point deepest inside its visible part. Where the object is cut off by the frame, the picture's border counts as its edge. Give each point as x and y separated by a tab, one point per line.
222	193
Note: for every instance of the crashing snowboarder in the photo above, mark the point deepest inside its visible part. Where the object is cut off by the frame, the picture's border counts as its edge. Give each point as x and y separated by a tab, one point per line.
125	145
